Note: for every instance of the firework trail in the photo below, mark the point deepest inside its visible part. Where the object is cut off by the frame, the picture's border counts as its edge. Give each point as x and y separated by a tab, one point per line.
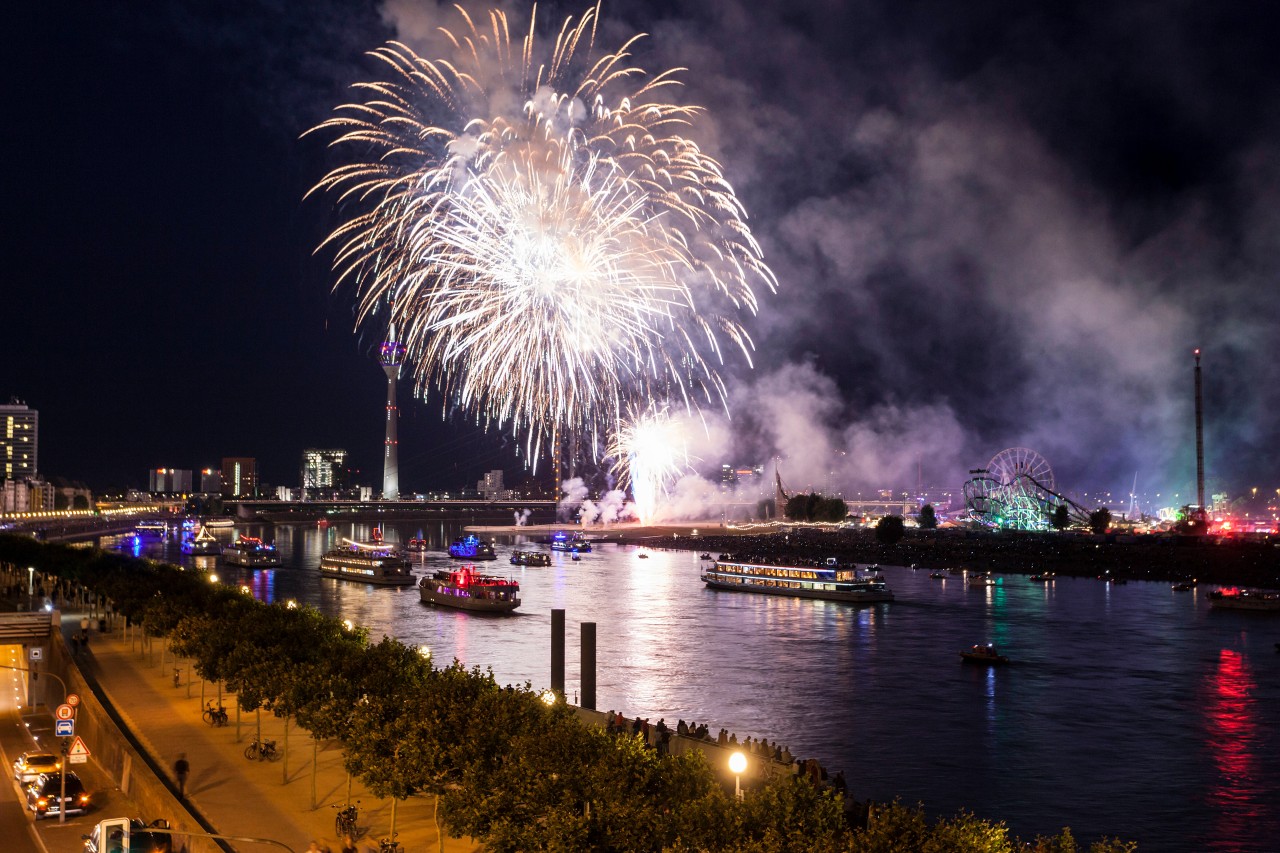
650	453
533	220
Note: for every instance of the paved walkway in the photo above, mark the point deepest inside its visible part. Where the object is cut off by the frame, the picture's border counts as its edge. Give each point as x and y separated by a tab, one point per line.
289	800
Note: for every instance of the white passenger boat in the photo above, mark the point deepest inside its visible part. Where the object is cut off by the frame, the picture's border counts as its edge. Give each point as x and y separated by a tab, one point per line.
366	562
203	544
465	588
252	552
829	581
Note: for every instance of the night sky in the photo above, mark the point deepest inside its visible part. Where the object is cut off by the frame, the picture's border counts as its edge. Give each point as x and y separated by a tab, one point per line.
993	225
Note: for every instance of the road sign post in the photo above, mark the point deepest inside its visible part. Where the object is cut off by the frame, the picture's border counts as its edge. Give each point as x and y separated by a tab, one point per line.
64	728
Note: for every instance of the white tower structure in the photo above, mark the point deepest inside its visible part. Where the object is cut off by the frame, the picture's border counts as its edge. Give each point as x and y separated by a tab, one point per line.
392	356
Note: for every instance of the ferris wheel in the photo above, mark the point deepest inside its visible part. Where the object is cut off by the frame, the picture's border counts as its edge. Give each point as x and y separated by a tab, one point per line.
1016	465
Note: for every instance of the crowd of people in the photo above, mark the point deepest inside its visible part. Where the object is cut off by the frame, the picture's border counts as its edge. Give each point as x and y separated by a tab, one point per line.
659	736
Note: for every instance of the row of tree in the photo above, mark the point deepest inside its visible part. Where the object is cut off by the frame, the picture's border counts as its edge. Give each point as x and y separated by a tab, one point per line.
506	767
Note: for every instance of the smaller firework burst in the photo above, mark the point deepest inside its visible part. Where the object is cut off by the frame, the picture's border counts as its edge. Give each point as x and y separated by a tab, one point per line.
650	452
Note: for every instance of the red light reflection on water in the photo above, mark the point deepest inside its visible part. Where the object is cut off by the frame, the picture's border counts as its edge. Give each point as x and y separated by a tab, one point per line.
1233	739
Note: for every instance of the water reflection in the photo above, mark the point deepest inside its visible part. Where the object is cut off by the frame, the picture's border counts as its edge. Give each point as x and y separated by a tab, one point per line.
1232	738
1091	727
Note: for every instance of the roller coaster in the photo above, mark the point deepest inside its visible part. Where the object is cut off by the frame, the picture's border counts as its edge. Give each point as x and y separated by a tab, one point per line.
1016	492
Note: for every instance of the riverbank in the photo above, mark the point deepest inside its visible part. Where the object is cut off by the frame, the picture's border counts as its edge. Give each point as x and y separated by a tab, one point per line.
1226	561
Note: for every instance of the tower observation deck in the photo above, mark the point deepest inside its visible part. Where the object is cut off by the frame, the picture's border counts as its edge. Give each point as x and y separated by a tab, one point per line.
391	355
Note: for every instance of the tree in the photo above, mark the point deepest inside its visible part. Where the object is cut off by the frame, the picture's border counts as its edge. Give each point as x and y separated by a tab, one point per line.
927	518
1100	520
1061	519
889	529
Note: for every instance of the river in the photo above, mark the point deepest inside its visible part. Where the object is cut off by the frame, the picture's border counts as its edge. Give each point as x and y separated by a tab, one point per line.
1127	710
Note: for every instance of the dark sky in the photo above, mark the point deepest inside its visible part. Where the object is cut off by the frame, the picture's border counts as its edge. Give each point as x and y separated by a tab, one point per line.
993	224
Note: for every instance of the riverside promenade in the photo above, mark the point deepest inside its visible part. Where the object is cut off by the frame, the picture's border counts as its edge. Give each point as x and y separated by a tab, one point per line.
289	801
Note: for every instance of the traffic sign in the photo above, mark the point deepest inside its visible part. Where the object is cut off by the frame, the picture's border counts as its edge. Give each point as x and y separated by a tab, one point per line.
78	748
64	728
64	712
77	759
73	699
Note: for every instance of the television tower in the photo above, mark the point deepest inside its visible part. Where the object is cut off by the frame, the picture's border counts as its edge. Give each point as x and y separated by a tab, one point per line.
391	355
1199	437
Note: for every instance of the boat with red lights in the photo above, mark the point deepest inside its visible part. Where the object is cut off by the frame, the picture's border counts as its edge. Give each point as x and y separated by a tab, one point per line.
467	589
252	552
417	545
1234	598
984	654
366	562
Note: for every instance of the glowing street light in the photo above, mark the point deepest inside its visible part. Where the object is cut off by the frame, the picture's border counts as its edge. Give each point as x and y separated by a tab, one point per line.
548	697
31	580
737	764
425	651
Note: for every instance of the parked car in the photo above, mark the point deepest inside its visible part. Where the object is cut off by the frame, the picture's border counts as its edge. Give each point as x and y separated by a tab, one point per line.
43	795
31	764
141	838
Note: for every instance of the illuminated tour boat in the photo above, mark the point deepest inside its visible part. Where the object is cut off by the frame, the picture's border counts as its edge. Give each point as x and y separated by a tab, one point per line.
1233	598
829	581
366	562
203	544
466	589
530	558
251	551
152	529
573	543
470	547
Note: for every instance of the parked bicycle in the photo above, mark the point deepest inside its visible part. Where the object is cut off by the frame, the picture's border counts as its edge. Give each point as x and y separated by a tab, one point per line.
344	823
263	750
214	716
389	845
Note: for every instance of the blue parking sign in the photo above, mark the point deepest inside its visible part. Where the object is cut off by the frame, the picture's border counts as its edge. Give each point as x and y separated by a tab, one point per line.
64	728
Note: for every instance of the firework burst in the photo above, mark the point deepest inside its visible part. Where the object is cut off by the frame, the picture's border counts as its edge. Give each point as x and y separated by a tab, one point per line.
650	453
551	245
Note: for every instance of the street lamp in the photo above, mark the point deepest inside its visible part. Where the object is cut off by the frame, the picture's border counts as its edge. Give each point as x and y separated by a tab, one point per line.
31	581
737	763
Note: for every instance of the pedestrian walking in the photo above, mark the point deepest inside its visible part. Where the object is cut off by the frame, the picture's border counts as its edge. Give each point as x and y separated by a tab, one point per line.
181	769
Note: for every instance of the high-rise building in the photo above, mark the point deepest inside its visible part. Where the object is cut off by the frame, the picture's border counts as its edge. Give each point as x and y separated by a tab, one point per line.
211	481
19	434
392	356
491	487
239	476
322	469
170	481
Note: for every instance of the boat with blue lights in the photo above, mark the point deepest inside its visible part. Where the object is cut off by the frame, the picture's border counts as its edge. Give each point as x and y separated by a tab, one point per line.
827	581
203	544
467	589
366	562
573	543
252	552
530	558
470	547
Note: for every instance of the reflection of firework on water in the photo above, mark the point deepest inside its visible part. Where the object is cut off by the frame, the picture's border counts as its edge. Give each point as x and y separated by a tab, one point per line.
548	242
650	453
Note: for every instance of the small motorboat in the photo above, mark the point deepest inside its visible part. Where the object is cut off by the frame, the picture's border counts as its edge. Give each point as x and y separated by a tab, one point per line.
576	558
938	576
1042	577
643	556
984	654
1184	586
704	556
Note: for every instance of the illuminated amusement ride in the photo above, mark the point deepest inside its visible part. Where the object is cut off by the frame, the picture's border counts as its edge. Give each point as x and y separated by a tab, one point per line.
1016	491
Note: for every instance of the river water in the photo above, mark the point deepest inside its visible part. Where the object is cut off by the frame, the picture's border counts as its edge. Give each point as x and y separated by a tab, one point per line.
1130	711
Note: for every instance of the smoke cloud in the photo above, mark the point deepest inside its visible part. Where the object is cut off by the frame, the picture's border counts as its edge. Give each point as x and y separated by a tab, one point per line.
986	249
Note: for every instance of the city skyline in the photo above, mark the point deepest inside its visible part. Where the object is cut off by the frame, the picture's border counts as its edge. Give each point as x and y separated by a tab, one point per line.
1003	231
